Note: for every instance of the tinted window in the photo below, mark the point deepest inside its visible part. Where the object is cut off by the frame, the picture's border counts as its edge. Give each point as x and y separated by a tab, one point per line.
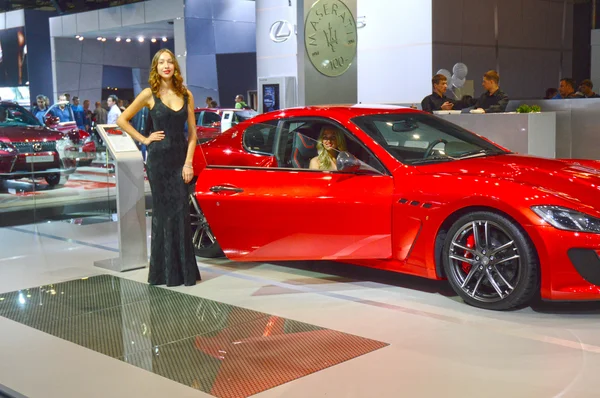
415	138
15	115
260	138
211	119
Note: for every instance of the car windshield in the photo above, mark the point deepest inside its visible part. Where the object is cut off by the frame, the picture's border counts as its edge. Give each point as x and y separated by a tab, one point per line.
244	115
12	115
417	138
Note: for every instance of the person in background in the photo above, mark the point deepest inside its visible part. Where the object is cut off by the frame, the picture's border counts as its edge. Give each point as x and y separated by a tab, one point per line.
67	97
208	101
113	109
551	93
493	100
40	108
438	100
239	102
586	87
61	111
99	114
78	113
87	115
213	104
567	89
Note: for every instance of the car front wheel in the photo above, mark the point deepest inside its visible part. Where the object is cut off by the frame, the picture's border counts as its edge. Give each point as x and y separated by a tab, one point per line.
490	262
205	243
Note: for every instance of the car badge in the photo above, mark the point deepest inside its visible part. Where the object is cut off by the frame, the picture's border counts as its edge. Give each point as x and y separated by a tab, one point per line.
37	147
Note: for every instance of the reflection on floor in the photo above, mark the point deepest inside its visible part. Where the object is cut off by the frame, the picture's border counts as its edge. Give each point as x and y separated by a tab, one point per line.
221	349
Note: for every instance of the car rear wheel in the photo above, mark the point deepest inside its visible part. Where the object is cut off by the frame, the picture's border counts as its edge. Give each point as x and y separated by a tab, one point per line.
490	262
205	243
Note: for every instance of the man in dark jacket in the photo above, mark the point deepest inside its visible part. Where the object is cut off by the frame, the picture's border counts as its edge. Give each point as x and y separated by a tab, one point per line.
493	100
438	100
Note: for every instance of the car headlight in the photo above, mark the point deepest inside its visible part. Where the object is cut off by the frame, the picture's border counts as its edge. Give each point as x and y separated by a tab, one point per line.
6	147
567	219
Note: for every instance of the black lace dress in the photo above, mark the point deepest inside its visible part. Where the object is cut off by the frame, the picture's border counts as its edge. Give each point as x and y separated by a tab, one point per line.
172	260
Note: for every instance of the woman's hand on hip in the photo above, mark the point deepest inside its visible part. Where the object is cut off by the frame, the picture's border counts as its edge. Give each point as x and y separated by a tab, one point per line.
155	136
187	172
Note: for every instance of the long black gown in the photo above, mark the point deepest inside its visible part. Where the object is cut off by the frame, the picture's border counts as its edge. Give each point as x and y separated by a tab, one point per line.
172	260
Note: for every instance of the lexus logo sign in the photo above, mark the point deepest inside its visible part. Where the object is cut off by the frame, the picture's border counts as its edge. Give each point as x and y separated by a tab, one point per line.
281	31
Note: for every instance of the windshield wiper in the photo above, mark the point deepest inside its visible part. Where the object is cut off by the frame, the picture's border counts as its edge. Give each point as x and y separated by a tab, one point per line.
432	159
478	153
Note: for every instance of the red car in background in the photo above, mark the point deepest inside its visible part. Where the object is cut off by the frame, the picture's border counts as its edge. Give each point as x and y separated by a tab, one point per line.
82	148
211	122
27	148
411	193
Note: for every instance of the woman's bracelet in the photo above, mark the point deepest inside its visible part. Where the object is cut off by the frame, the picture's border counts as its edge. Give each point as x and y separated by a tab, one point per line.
188	166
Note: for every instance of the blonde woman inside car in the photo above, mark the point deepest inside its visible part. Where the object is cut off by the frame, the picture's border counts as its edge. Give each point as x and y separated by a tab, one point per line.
331	142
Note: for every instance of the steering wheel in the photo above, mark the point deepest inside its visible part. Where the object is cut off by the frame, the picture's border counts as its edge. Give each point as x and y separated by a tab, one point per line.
432	145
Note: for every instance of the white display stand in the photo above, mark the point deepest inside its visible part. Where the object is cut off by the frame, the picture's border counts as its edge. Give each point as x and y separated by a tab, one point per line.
275	93
131	207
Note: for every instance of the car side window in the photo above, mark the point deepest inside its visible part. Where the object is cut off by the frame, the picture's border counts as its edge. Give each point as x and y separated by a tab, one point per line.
260	138
211	119
306	141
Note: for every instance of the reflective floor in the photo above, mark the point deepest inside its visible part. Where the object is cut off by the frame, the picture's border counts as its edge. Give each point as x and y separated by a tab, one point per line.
217	348
356	332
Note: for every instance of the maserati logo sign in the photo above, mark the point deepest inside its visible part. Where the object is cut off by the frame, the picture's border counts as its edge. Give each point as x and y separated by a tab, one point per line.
37	147
281	31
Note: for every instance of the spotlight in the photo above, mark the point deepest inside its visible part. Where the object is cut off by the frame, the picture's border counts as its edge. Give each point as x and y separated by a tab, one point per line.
141	39
80	38
118	39
98	38
164	39
153	40
104	39
77	36
128	40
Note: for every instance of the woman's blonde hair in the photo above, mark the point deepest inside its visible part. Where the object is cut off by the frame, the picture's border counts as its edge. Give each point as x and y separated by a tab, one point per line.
323	157
154	79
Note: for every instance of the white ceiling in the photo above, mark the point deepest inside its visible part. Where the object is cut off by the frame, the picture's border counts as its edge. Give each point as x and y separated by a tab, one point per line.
148	30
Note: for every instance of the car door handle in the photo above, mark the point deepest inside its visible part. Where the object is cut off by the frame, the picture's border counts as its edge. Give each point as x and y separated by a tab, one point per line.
220	188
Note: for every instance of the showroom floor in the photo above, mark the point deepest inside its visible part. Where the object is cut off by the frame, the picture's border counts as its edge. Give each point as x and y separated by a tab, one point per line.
309	329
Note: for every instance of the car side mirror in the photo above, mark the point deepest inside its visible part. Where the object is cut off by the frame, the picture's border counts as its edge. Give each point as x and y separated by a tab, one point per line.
347	163
51	120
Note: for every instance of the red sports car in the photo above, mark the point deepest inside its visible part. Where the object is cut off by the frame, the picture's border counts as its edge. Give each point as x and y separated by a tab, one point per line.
405	192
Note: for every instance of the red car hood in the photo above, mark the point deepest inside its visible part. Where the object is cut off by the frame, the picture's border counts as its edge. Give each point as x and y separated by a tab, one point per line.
29	133
577	181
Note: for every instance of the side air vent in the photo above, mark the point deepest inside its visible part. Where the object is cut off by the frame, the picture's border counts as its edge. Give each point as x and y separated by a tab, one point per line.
403	201
426	205
414	203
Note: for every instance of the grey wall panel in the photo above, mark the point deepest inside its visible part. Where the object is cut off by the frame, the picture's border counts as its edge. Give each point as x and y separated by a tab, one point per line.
69	24
479	60
569	27
55	26
235	37
528	72
510	23
92	52
567	65
478	22
87	21
162	10
90	77
134	54
91	94
67	76
199	9
203	32
447	21
202	71
200	94
109	18
234	10
15	19
68	50
133	14
534	31
445	56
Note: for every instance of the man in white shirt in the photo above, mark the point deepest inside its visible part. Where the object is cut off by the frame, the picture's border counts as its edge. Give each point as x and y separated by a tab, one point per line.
114	111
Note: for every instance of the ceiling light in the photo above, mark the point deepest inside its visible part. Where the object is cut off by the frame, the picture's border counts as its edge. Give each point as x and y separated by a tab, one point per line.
77	36
141	39
104	39
164	39
153	40
118	39
128	40
98	38
80	38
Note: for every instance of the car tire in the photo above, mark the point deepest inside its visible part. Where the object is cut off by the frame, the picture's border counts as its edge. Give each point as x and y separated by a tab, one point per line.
205	243
52	179
490	262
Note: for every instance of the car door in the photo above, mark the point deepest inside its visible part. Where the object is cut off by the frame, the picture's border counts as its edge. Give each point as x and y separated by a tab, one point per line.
284	213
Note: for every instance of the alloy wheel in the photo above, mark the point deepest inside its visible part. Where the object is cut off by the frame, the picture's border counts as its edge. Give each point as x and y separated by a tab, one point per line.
202	236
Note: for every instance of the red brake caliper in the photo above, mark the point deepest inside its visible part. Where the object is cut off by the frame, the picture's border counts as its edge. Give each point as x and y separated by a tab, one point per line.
466	267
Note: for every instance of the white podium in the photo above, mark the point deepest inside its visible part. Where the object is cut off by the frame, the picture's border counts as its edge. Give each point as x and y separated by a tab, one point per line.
131	207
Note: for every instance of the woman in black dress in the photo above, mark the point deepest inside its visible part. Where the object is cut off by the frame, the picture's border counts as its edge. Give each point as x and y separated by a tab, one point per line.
169	168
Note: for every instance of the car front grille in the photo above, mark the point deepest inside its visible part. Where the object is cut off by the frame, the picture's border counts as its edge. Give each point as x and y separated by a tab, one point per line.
27	147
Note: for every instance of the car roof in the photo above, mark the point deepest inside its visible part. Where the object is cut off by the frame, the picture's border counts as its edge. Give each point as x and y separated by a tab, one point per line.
221	109
347	110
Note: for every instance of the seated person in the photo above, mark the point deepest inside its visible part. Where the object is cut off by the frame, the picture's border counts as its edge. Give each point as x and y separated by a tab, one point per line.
493	100
438	100
567	89
331	141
